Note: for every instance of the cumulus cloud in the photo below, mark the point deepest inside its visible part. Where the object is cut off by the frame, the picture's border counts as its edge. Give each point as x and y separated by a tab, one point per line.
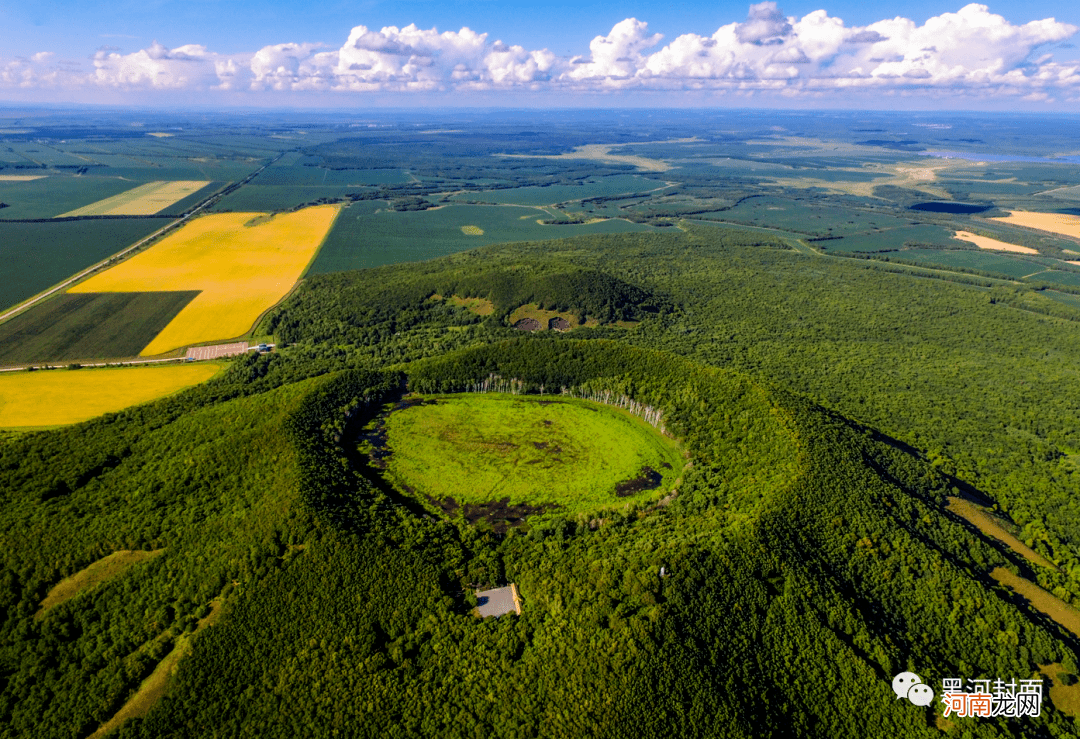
765	24
157	67
617	56
970	51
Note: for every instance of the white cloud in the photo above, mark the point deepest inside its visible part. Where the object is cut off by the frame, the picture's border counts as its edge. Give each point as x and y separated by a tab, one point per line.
765	24
185	67
971	51
617	56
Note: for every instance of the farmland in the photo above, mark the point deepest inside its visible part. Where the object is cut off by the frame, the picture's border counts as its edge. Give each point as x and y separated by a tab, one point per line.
362	238
241	264
985	242
831	365
606	186
144	200
890	239
480	449
52	195
37	256
1059	223
89	326
971	259
47	397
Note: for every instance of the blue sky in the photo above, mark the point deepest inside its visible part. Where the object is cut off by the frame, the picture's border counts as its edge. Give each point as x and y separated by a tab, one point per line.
796	54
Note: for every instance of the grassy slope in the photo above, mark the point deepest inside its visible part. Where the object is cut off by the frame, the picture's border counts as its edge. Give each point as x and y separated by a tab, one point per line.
214	488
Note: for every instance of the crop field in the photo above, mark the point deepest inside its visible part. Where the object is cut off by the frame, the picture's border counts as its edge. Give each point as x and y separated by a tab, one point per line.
806	217
43	153
1066	298
298	174
209	170
371	239
614	185
969	259
977	188
1058	277
984	242
37	256
893	238
240	270
61	397
483	448
276	198
1059	223
88	326
144	200
50	196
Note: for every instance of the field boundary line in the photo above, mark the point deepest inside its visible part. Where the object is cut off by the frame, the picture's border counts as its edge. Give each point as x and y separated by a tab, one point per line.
212	198
88	271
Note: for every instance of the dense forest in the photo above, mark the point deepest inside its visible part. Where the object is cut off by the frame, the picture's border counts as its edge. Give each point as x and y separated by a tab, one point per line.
828	408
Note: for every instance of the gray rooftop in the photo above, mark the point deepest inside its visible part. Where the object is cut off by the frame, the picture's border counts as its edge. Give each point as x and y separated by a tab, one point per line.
497	601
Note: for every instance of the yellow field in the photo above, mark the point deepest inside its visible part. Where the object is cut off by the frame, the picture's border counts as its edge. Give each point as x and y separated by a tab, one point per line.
20	177
60	397
1057	223
144	200
472	230
241	270
985	242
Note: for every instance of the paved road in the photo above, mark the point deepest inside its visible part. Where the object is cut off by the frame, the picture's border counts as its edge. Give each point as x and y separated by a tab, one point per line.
127	362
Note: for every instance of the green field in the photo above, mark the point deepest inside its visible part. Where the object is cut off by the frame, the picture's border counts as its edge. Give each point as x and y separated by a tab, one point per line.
805	216
362	238
291	175
485	447
1066	298
181	169
275	198
55	194
614	185
1058	277
893	238
985	261
88	326
38	255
